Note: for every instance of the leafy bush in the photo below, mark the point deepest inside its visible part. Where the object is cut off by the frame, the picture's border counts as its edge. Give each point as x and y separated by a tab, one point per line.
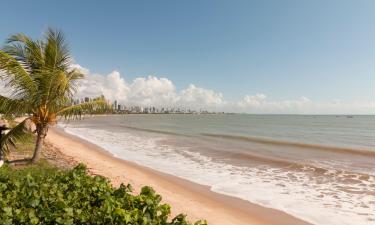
43	194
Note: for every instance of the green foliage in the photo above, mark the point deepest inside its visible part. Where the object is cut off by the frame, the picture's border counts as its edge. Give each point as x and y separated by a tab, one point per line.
42	194
18	133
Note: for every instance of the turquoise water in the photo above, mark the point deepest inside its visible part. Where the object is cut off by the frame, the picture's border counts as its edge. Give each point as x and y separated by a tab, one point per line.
318	168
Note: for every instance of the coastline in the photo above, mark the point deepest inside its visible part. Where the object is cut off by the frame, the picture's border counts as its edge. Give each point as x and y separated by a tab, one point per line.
195	200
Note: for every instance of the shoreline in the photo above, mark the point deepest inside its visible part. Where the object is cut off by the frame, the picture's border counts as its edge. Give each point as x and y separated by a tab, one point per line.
195	200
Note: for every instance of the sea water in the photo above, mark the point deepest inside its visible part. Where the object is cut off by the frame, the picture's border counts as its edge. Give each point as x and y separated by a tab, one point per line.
318	168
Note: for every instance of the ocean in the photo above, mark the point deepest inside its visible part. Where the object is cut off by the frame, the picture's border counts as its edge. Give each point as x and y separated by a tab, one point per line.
318	168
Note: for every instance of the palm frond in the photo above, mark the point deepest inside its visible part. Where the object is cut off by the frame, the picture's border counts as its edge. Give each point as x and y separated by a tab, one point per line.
76	111
31	53
16	50
56	51
10	106
16	134
55	89
18	38
73	77
15	75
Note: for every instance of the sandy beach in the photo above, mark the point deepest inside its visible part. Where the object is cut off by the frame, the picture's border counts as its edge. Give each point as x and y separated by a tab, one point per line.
195	200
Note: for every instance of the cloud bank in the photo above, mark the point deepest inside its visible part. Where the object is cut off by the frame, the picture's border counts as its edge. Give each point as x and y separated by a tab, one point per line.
161	92
148	91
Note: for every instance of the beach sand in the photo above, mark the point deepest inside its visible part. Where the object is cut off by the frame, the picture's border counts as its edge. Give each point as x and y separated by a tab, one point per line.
197	201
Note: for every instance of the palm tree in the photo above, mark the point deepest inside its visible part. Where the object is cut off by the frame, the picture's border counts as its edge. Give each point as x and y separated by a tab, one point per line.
42	83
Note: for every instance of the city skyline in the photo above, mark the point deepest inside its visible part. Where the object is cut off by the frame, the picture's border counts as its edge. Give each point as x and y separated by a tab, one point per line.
122	108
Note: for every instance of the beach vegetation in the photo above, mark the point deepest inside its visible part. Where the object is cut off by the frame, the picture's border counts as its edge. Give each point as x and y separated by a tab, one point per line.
43	194
41	80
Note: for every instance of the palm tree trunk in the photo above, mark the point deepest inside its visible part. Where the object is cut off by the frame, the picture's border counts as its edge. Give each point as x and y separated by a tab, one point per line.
41	134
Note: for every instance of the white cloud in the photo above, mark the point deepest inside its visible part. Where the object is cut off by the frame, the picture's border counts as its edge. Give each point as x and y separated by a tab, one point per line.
154	91
259	104
201	97
147	91
161	92
252	100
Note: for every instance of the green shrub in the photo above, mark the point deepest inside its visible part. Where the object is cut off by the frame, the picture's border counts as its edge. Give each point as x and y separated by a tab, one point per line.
42	194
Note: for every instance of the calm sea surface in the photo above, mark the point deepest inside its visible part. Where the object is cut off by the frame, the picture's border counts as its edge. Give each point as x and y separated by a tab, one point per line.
318	168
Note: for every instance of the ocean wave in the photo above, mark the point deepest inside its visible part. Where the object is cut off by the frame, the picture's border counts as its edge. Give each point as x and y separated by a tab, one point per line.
153	130
336	149
320	196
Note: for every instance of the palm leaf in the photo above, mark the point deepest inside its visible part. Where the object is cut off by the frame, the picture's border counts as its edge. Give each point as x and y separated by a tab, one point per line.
16	134
13	106
16	50
74	77
18	38
76	111
31	54
16	77
56	51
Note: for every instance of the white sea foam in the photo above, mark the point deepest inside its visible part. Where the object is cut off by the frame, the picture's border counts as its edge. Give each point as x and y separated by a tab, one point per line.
327	200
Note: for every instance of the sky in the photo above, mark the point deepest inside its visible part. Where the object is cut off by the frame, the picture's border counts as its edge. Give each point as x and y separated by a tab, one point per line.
244	56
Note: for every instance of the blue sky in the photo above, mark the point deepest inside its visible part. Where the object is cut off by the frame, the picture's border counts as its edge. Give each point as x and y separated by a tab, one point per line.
324	50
